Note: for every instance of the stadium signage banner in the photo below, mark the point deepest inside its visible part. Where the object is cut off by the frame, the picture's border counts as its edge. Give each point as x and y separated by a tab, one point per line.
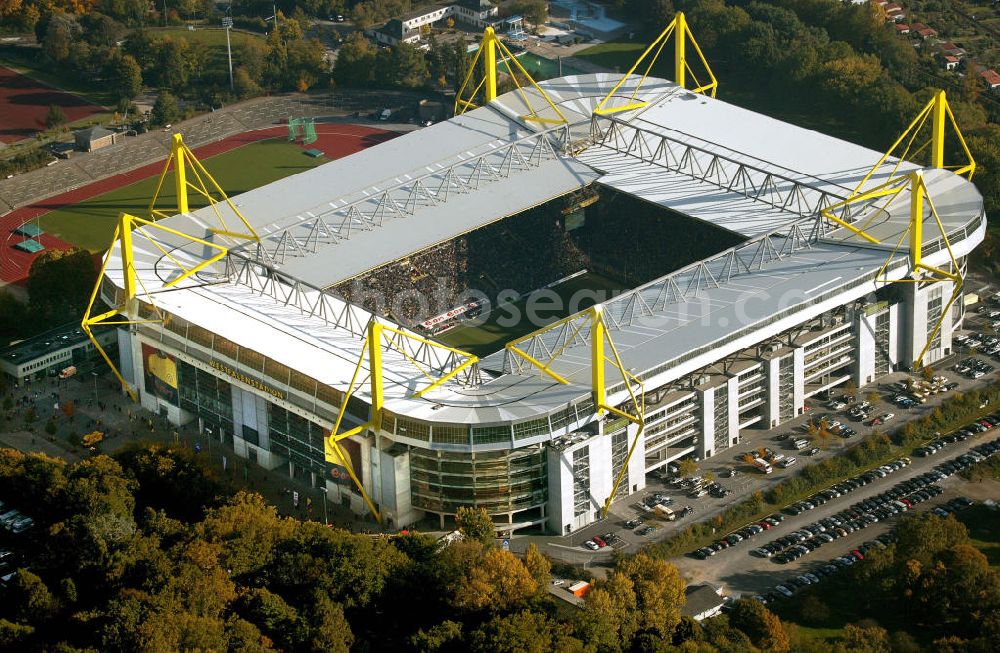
446	318
248	380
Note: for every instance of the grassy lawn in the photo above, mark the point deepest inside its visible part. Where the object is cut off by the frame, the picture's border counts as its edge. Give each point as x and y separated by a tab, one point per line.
615	54
90	223
30	62
984	531
214	40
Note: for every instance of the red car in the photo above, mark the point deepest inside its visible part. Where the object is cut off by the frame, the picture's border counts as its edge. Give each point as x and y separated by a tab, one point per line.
857	554
764	525
599	542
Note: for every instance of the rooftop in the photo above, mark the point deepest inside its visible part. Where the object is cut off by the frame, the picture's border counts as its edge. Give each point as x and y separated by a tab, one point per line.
742	171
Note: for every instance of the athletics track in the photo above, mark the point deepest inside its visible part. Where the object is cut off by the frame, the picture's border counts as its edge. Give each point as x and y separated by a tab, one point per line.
335	140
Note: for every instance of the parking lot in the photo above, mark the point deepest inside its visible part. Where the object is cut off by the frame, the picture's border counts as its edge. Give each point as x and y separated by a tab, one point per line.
740	571
896	399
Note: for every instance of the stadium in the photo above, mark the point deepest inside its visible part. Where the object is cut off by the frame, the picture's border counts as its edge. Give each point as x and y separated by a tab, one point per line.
535	304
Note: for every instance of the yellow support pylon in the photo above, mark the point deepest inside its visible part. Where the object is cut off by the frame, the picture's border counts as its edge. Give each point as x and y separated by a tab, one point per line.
184	161
600	343
490	46
377	336
681	33
938	112
131	281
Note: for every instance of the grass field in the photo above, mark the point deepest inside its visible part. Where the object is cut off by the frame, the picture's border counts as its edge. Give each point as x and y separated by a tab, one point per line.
90	223
613	55
505	323
215	42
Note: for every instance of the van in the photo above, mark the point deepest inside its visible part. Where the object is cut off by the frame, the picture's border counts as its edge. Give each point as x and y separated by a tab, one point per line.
801	444
787	462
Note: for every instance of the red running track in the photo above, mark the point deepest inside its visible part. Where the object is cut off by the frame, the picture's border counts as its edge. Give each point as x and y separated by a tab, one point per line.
335	140
24	103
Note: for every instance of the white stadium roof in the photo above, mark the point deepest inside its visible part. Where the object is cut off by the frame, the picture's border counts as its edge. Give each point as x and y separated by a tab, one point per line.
332	223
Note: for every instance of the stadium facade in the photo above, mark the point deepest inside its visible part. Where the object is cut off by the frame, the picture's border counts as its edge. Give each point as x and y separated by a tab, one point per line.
258	347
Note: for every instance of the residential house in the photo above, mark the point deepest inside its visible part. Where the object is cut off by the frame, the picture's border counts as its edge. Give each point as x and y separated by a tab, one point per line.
407	28
949	62
902	28
991	77
947	47
393	33
703	601
894	12
923	31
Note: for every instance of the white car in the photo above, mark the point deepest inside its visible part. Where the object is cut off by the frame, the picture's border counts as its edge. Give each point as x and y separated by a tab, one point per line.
592	545
888	416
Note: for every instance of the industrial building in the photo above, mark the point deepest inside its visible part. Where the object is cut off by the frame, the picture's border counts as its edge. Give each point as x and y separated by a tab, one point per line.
838	265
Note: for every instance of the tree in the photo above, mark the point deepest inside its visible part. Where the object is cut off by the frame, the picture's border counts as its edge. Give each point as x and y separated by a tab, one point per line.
659	591
32	598
538	566
760	625
436	637
607	621
535	12
55	117
243	84
60	282
60	33
687	467
408	66
129	78
523	632
165	109
498	582
50	427
866	638
851	388
476	524
172	67
355	63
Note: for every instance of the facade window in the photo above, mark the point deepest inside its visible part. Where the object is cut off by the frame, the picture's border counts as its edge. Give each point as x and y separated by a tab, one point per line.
883	364
489	434
786	388
451	434
721	411
934	310
531	428
581	481
619	452
413	429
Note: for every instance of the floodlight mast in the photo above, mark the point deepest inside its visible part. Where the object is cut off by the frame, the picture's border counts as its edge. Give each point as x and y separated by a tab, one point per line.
227	23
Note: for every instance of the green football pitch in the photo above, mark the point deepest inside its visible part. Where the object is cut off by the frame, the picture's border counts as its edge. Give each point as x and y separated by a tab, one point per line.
530	313
91	223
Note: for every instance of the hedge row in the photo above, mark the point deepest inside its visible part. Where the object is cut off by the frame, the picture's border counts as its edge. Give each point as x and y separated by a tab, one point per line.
872	450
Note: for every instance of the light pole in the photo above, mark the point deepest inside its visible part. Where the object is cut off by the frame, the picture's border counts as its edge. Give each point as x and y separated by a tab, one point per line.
227	23
94	374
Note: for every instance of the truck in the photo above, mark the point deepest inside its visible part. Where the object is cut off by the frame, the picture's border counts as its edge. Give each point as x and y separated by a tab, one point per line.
762	465
665	512
67	372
